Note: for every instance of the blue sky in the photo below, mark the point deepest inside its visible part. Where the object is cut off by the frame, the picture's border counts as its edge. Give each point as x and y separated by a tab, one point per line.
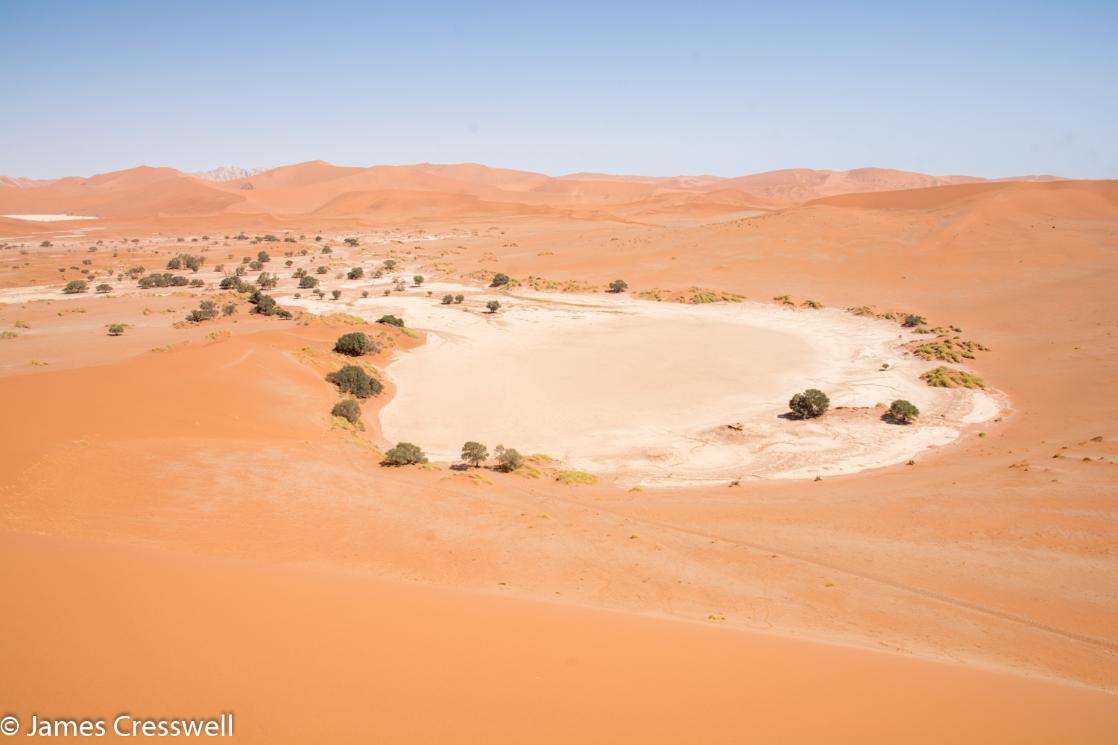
988	89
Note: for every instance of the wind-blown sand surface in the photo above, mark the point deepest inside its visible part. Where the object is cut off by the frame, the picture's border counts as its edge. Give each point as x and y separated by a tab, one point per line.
183	520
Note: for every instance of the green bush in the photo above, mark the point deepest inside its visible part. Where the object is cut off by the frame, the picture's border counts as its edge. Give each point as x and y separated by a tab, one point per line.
459	298
448	299
499	280
389	264
306	282
903	411
322	270
103	288
348	409
351	242
207	309
404	454
418	279
493	306
356	273
618	285
74	286
810	404
355	344
509	458
474	453
391	321
353	379
115	329
912	321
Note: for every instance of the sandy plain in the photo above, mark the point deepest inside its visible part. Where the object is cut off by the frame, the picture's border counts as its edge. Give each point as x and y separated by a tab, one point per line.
179	497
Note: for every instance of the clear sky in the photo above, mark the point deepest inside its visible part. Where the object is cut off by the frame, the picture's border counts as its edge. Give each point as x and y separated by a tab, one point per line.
979	88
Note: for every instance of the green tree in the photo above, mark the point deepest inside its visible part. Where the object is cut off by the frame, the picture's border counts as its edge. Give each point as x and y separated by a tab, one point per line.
509	458
404	454
474	453
418	279
355	344
115	329
810	404
499	280
347	409
448	299
75	286
903	411
353	379
356	273
391	321
306	282
618	285
493	306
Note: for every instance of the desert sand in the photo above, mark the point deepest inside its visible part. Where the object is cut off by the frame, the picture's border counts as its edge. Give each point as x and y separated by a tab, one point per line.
183	519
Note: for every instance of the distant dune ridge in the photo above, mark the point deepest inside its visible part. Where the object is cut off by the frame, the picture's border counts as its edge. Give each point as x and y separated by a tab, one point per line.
451	190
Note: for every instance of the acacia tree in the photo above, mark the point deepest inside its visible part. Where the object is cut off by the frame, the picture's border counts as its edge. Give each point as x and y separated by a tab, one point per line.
810	404
474	453
903	411
618	285
493	306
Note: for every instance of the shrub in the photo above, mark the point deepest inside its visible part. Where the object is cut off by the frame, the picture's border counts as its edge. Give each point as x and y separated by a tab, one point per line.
348	409
903	411
404	454
912	321
263	257
306	282
391	321
228	309
947	377
474	453
197	283
459	298
166	279
207	309
351	242
499	280
356	273
810	404
509	458
267	281
418	279
389	264
175	263
74	286
322	270
493	306
353	379
335	294
115	329
448	299
355	344
618	285
103	288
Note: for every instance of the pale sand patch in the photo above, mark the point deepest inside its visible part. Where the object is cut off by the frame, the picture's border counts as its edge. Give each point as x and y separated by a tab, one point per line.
642	390
49	218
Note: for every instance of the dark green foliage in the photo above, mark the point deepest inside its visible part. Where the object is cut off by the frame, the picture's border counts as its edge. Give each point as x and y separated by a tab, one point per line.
459	298
228	309
322	270
493	306
306	282
474	453
404	454
418	279
499	280
74	286
207	309
390	264
903	411
355	344
448	299
354	380
166	279
391	321
103	288
116	329
810	404
618	285
348	409
235	283
350	242
356	273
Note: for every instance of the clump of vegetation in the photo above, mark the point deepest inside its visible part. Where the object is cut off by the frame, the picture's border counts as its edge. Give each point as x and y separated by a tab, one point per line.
307	282
448	299
911	320
861	310
813	304
949	349
207	309
810	404
903	411
459	298
103	289
949	377
193	263
235	283
389	264
75	286
618	285
418	279
576	477
404	454
354	380
165	279
322	270
500	279
508	458
351	242
228	309
784	300
356	273
266	305
474	453
493	306
116	329
348	409
355	344
391	320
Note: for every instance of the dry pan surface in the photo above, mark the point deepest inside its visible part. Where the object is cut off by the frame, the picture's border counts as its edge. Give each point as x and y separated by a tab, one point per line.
660	393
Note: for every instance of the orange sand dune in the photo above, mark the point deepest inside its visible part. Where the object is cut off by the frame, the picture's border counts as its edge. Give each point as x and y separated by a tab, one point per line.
300	655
